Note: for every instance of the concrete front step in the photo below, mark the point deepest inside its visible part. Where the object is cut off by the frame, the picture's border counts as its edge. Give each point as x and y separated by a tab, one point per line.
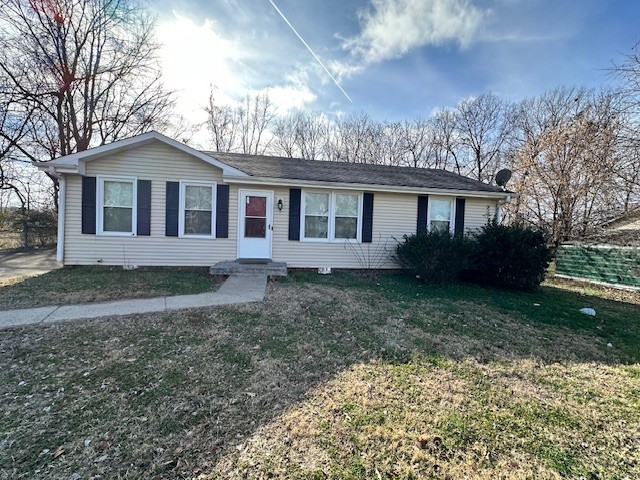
248	267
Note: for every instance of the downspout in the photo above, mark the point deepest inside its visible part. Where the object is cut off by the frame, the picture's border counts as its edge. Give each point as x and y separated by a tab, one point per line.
62	206
498	210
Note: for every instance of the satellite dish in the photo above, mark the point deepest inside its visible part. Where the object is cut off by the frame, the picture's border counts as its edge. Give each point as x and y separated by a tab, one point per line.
502	177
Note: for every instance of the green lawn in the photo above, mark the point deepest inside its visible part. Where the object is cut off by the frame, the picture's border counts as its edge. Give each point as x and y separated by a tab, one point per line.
71	285
332	377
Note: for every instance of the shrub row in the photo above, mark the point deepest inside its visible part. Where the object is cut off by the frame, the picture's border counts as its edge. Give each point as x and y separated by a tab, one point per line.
513	256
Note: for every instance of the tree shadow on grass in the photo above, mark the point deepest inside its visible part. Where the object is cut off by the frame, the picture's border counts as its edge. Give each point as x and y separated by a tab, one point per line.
180	394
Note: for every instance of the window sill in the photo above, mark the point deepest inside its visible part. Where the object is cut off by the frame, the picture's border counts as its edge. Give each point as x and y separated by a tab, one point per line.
335	240
116	234
204	237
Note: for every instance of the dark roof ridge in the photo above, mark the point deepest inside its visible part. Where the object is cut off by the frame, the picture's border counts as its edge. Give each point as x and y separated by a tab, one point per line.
342	162
351	172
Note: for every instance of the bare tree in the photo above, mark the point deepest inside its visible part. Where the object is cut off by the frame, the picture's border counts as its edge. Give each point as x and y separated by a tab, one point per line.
312	134
352	139
565	153
482	127
222	123
445	141
85	70
627	72
285	132
245	127
255	117
14	126
417	142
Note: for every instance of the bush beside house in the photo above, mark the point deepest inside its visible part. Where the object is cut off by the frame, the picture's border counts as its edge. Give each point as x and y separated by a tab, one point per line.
510	256
436	257
513	256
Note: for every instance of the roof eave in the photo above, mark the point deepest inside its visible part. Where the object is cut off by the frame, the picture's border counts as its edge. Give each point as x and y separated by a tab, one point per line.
286	182
78	159
57	170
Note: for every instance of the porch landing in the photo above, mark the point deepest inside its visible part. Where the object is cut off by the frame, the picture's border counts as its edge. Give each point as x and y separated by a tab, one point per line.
248	266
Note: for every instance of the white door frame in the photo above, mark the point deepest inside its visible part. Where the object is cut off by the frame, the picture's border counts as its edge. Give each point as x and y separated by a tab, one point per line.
269	194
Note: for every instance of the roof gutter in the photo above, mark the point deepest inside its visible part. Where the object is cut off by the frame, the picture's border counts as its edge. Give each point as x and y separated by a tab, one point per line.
285	182
57	170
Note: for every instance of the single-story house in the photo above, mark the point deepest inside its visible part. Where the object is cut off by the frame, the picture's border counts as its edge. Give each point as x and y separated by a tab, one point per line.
152	201
610	256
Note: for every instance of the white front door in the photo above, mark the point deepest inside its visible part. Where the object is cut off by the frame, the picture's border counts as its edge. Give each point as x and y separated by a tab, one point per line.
255	223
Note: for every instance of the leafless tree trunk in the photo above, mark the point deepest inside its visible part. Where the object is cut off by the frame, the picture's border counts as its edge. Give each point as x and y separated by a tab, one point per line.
285	132
311	134
418	142
483	128
85	70
14	125
255	117
245	127
222	123
445	142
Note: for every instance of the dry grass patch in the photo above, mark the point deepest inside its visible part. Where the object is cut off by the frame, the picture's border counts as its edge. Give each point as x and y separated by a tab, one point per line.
446	419
335	377
73	285
594	290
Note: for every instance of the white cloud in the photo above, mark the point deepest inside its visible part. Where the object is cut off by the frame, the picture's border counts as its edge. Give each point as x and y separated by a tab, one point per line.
194	58
198	56
392	28
344	69
290	97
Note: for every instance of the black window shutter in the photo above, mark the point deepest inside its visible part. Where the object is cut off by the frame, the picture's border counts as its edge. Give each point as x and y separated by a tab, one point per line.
423	205
459	225
89	205
367	217
173	193
222	211
295	195
144	208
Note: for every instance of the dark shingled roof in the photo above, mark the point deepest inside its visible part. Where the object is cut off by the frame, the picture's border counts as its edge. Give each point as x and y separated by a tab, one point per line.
322	171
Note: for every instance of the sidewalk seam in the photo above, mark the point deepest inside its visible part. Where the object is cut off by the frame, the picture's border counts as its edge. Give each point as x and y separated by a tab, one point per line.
49	314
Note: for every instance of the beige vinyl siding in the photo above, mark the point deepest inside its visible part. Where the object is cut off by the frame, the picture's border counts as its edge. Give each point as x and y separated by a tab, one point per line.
477	212
158	163
394	214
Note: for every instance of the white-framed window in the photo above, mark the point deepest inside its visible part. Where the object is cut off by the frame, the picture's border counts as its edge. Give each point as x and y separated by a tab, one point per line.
329	216
441	214
197	209
117	205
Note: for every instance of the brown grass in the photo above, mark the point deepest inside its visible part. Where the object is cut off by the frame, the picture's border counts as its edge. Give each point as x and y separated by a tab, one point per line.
322	381
73	285
453	420
595	290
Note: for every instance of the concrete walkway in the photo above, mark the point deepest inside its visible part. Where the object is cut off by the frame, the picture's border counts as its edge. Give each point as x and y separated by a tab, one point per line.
236	289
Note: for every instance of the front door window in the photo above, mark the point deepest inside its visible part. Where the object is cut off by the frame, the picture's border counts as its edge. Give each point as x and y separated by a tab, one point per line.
255	220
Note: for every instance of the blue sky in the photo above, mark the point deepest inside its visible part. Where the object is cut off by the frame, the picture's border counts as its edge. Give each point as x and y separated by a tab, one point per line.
395	59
